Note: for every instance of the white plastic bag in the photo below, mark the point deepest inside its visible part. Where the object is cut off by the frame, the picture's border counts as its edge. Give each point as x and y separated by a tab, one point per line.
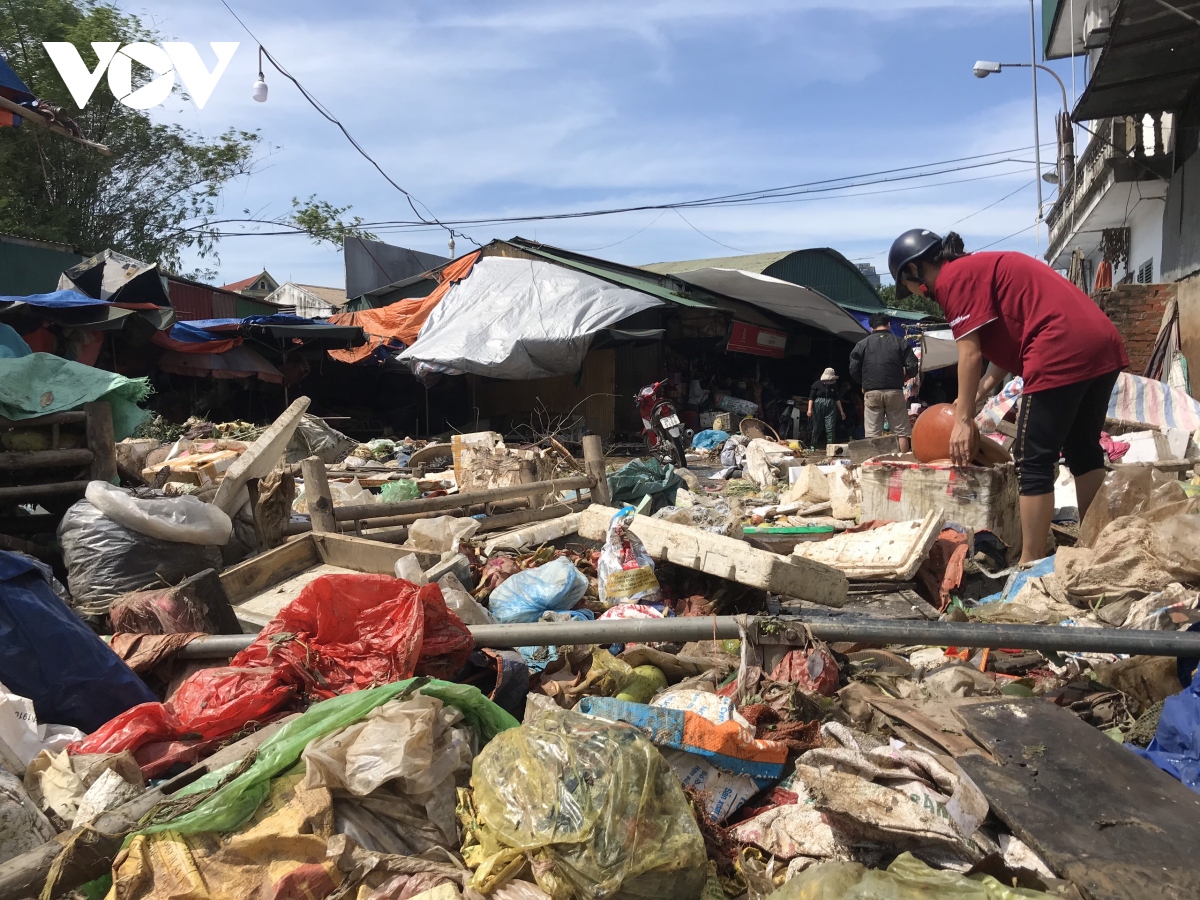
461	603
408	569
22	737
184	520
440	534
626	570
352	494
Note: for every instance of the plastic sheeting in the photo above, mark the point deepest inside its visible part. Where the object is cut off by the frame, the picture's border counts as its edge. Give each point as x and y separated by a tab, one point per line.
516	319
42	383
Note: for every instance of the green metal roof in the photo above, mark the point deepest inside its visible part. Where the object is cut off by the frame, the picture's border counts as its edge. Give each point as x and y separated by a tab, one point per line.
822	269
644	284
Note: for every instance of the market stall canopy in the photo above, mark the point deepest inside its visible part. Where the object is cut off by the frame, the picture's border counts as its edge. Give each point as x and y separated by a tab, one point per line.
938	350
520	318
237	362
72	309
791	301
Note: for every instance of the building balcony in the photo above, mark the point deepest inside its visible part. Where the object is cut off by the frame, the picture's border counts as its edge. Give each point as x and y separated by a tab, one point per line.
1127	160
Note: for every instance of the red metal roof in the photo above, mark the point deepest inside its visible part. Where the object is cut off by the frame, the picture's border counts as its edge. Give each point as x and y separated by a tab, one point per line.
241	285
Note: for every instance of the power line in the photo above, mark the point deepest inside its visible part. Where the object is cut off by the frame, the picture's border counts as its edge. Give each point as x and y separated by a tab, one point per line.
993	203
325	113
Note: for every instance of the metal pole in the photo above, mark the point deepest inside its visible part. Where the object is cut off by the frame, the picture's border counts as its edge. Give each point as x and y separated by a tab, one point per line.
843	628
1037	141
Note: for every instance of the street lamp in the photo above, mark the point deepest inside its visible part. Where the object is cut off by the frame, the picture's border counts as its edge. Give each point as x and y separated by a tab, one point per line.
984	68
259	91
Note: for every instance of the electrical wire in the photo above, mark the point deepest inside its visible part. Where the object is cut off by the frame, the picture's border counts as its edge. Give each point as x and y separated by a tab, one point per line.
1010	237
325	113
702	234
993	203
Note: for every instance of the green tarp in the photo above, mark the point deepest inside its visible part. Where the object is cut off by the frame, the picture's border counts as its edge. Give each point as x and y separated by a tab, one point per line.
42	383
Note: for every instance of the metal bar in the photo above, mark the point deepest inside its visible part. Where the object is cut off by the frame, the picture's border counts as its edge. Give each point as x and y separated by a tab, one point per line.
450	501
847	628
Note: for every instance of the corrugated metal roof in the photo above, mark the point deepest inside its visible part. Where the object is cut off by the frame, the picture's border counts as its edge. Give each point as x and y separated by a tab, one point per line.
820	268
751	262
332	296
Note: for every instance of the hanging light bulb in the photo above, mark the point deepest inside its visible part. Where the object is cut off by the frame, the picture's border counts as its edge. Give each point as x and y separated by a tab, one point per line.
259	91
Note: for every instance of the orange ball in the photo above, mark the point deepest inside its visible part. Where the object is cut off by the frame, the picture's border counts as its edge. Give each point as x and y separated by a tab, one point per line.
931	433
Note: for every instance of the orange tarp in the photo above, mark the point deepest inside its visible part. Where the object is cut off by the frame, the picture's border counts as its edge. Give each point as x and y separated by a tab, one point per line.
401	321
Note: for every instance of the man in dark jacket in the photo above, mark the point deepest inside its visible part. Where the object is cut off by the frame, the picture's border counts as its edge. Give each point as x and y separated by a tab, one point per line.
882	362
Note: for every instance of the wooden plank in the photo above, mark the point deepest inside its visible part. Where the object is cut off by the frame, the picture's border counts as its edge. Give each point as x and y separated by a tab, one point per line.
246	579
365	555
1099	815
428	504
77	417
101	440
316	492
943	731
45	459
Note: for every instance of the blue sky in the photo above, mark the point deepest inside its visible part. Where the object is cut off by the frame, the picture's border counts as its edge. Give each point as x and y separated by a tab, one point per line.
516	108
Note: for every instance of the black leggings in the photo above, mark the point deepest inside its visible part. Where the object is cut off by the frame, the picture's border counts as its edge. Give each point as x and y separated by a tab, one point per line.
1066	420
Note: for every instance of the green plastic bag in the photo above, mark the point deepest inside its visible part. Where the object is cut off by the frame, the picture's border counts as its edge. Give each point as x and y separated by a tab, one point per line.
395	491
648	477
907	878
594	807
236	801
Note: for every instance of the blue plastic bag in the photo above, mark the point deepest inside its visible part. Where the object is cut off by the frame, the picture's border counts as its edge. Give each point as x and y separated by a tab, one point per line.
48	655
525	596
709	439
1176	745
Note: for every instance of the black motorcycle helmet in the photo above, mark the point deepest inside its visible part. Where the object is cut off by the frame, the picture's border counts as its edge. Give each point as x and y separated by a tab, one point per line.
909	247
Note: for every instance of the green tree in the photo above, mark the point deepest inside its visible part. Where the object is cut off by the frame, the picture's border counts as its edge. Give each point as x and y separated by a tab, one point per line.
322	221
158	194
913	303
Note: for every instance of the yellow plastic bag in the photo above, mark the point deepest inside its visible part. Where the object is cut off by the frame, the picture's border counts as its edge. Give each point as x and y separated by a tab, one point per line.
905	879
593	806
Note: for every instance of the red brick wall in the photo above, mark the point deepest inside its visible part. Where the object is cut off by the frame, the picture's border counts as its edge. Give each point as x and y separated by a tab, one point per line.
1137	311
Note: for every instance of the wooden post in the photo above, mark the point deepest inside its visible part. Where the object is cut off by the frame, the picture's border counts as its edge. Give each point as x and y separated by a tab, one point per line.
316	491
101	441
593	459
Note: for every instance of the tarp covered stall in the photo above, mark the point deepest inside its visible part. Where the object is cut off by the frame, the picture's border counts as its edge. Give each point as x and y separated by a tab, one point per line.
237	362
519	318
791	301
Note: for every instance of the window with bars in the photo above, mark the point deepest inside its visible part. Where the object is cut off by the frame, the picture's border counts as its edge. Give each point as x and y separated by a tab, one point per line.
1145	272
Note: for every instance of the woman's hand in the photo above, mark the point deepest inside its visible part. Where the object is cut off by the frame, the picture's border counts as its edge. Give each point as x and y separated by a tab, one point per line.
964	441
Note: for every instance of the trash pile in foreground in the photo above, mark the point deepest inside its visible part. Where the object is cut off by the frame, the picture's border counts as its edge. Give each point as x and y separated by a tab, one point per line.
379	739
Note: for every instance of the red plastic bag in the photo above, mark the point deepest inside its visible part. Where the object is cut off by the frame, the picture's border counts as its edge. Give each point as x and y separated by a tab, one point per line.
346	632
813	670
341	634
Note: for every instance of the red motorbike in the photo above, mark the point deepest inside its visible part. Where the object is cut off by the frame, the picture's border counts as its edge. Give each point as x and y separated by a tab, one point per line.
663	430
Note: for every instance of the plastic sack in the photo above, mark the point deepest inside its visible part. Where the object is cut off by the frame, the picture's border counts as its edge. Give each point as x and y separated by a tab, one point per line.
184	520
408	569
625	569
907	878
643	477
593	805
22	825
48	655
709	439
352	494
1128	491
313	437
397	491
104	559
557	585
440	534
231	804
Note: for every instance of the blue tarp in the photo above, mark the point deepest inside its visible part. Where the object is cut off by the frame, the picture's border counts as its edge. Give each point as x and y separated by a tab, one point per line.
1017	580
197	331
279	319
57	300
12	345
48	655
709	439
11	85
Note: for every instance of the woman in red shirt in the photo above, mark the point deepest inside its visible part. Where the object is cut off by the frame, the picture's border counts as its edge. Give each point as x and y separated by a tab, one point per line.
1025	318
